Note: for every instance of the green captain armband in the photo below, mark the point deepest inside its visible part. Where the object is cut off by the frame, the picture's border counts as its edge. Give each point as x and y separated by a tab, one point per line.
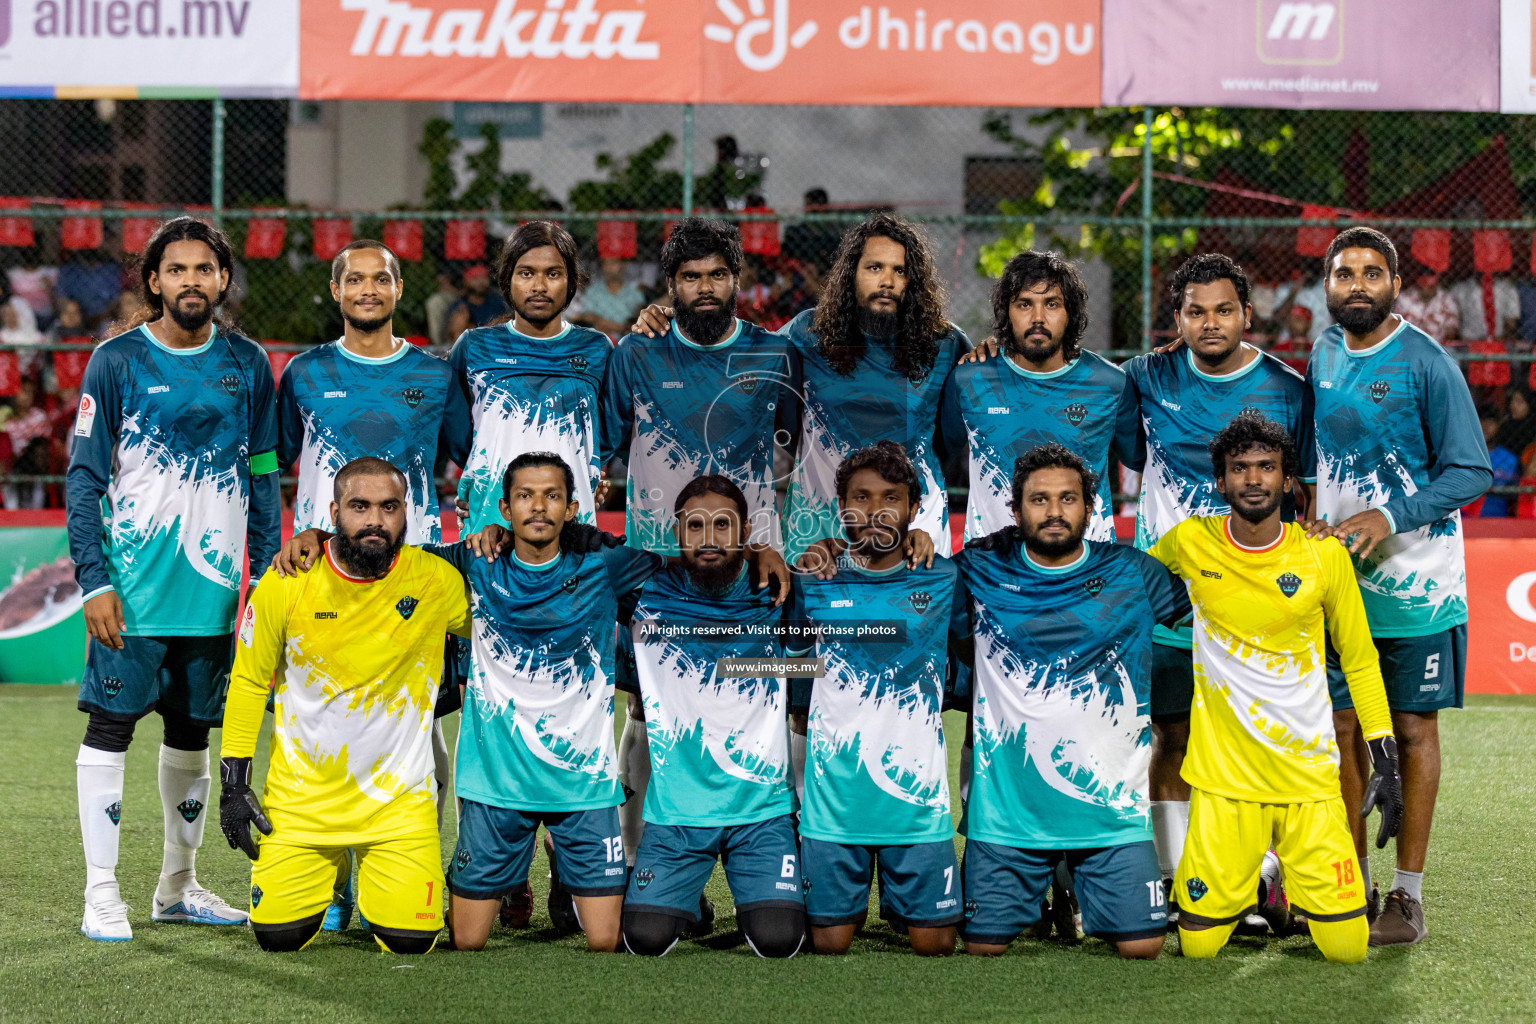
264	463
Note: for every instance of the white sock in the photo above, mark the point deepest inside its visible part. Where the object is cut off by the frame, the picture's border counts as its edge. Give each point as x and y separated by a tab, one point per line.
1365	876
967	755
99	784
797	763
1170	823
184	785
634	776
442	770
1411	882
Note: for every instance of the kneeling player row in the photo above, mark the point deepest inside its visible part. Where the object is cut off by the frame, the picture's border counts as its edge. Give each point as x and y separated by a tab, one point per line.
1044	637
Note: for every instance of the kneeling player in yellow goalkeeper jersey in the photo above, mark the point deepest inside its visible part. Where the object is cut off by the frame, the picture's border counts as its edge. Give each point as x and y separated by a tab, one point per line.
1262	760
358	647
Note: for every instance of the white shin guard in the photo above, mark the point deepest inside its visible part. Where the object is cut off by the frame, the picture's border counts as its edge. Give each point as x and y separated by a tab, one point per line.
99	785
1170	824
184	786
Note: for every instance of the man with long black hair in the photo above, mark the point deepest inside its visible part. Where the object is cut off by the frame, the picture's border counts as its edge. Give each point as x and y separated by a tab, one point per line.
174	471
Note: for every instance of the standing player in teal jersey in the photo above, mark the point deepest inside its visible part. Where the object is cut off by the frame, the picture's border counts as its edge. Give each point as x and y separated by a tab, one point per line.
1399	451
1186	396
173	473
1061	711
894	640
719	788
533	383
370	393
1044	389
712	394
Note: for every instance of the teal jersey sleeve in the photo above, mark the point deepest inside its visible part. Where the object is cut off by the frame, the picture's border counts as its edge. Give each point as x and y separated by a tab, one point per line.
1459	469
90	469
1130	440
1167	595
629	568
616	407
290	423
457	555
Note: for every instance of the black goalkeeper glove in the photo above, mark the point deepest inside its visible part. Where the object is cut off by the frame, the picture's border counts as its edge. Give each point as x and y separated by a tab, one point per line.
1384	790
1007	537
238	806
584	538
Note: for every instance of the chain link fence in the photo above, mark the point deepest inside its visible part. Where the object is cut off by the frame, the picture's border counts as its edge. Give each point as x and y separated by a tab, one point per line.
1129	192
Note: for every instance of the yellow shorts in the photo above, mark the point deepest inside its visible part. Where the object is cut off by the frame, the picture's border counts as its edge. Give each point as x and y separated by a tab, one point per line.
399	881
1218	877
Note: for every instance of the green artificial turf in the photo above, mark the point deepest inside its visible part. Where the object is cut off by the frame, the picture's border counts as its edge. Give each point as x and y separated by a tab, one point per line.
1477	964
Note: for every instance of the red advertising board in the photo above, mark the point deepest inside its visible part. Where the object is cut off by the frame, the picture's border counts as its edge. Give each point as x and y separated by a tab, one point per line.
1501	627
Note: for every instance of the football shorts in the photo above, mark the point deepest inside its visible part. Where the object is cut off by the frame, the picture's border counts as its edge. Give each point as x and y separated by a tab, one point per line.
189	674
762	866
919	883
495	850
399	881
1421	673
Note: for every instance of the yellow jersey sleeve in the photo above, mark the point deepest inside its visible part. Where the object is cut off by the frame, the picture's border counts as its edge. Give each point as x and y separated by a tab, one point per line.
1166	550
1351	636
258	648
456	601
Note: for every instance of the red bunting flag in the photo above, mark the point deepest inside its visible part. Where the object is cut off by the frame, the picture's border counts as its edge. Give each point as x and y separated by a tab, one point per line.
464	240
760	236
403	238
264	237
81	232
1432	247
616	240
16	231
1491	252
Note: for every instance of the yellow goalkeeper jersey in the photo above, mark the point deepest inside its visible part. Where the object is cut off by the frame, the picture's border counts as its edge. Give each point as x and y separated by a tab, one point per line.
357	664
1262	724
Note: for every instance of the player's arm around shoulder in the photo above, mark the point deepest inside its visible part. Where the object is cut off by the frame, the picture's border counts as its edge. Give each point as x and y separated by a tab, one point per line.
1350	632
453	585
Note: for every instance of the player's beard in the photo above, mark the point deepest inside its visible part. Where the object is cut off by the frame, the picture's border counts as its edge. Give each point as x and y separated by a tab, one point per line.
877	324
367	325
717	577
706	326
1038	545
187	321
363	560
539	321
1360	320
1257	515
1035	348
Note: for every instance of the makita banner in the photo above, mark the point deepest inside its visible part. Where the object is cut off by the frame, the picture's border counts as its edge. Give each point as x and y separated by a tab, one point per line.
1336	54
966	52
234	47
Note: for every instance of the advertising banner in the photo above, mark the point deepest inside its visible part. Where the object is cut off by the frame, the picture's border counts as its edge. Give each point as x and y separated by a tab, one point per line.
1501	627
936	52
42	627
1330	54
1517	57
149	48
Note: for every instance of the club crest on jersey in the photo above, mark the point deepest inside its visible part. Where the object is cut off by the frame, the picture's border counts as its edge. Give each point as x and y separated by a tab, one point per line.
578	362
971	906
1379	389
1076	413
1289	583
405	606
413	396
1250	410
1196	888
644	877
920	601
256	895
230	383
570	585
112	685
461	861
748	385
189	810
1094	586
805	885
115	812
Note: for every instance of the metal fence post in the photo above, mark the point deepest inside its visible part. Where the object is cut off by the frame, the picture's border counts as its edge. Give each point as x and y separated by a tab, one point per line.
687	159
216	160
1146	228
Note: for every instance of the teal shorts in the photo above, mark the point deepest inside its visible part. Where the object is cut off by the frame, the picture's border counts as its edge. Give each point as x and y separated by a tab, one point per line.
1421	673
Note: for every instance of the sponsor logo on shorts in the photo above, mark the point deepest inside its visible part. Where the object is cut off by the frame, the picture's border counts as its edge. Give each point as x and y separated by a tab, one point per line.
256	895
1094	586
946	904
230	383
425	915
461	859
1076	413
1379	389
112	685
920	601
612	871
189	809
1429	687
115	812
970	909
406	606
644	877
1288	583
786	886
1197	889
413	396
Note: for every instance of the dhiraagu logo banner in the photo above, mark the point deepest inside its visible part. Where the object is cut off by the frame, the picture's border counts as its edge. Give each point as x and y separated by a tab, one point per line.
42	627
